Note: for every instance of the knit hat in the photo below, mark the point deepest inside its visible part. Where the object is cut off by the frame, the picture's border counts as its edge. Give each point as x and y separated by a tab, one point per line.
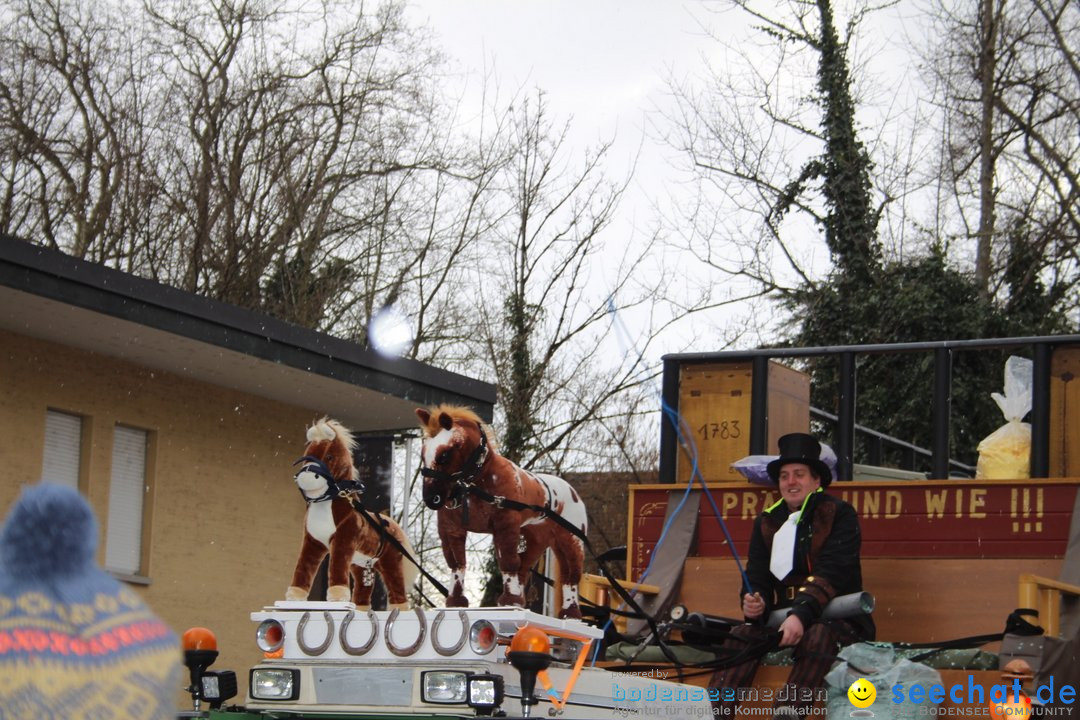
74	643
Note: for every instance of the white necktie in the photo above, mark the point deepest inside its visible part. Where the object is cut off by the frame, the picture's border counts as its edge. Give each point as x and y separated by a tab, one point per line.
783	547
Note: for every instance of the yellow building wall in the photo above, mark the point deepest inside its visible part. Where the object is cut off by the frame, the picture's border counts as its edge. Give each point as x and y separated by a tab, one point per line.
225	518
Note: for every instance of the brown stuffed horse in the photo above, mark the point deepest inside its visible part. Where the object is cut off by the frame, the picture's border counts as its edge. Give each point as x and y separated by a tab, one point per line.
458	457
332	525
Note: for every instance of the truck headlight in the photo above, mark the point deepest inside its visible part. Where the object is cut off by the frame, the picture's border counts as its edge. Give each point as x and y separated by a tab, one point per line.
443	686
275	683
485	691
217	687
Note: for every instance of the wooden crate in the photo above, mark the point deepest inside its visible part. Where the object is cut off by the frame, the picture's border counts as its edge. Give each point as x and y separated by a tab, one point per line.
1065	412
714	401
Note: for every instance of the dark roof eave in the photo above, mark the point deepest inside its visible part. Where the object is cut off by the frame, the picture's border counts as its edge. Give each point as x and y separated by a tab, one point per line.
56	276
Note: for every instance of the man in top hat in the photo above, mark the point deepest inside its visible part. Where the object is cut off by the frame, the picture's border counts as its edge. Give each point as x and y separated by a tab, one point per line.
804	552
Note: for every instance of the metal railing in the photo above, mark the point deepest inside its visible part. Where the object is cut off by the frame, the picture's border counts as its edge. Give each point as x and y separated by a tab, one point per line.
877	443
844	438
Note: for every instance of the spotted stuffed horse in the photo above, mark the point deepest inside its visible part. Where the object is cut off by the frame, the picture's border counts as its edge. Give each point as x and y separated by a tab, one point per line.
332	525
459	459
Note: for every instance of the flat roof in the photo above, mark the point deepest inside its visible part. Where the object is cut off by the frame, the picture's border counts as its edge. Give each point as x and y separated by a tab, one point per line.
49	295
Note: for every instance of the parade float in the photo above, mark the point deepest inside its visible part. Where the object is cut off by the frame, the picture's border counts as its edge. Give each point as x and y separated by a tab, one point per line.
951	558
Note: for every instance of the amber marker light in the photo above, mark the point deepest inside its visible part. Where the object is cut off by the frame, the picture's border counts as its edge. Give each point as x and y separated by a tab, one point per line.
1011	708
529	654
198	638
200	651
530	639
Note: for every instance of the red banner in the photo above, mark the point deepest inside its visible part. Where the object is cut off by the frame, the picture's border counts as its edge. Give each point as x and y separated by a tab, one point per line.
956	518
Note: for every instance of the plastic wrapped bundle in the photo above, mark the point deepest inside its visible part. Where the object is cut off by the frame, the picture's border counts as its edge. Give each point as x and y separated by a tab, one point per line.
1005	454
754	467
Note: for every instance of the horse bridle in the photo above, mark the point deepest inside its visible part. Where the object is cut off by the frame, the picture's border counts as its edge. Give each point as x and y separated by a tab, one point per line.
468	472
334	488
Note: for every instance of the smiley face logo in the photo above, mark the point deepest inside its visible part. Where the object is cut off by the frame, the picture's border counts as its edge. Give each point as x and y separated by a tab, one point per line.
862	693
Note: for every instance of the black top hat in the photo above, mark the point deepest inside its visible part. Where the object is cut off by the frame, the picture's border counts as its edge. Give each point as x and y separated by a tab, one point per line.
800	448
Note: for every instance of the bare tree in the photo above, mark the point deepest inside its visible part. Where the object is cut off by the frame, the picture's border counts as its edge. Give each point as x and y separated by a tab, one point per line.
1008	77
293	149
292	158
441	223
71	124
553	280
785	183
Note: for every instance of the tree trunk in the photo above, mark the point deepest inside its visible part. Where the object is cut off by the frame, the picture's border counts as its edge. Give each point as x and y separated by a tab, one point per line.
986	71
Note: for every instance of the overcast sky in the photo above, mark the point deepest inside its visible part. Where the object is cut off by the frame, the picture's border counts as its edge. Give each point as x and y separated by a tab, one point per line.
605	64
601	60
602	64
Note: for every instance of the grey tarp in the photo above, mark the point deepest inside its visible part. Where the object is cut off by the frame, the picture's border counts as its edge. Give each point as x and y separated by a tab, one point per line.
1060	666
667	564
1070	573
879	665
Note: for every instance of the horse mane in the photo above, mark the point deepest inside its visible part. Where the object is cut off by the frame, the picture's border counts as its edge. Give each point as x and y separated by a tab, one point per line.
327	432
326	429
457	412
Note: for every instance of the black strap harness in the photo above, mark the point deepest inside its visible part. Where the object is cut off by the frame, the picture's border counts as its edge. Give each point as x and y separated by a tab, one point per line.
380	525
352	491
463	487
334	488
547	512
468	471
459	481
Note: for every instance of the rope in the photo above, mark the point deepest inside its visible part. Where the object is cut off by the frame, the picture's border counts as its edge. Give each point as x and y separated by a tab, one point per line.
378	525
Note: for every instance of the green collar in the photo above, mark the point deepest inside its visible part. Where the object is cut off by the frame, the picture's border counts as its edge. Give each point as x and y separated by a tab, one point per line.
803	507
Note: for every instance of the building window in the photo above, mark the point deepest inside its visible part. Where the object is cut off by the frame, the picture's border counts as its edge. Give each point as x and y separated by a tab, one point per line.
63	449
128	492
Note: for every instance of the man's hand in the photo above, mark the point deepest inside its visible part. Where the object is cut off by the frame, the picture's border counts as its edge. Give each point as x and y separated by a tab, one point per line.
791	631
753	606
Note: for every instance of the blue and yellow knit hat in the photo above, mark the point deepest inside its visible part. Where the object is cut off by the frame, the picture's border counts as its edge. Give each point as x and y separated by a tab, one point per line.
74	643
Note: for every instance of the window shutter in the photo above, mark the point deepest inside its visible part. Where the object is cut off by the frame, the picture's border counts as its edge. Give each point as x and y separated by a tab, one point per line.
63	445
127	488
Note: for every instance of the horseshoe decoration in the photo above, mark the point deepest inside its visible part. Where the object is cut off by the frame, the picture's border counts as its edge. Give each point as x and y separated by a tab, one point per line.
387	633
325	644
435	633
357	650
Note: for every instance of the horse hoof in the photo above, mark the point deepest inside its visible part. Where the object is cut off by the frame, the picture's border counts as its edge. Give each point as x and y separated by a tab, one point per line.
337	593
572	613
296	593
457	601
507	599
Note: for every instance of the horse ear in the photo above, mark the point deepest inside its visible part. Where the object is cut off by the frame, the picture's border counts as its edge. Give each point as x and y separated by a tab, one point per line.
424	416
446	421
